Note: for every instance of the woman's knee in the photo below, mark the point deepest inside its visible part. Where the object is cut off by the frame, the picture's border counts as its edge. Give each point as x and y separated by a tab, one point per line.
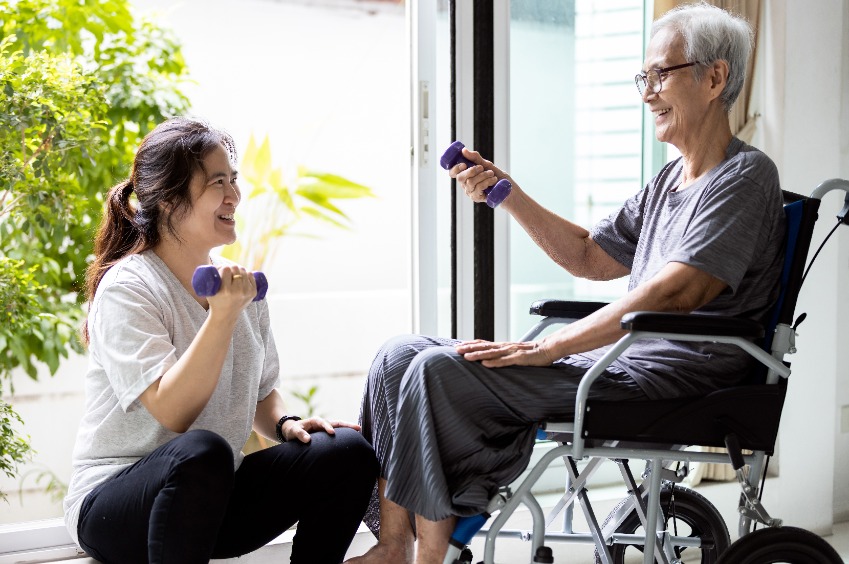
206	444
346	451
202	453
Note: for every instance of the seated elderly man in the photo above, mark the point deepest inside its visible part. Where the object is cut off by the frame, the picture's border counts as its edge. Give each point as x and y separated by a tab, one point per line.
452	421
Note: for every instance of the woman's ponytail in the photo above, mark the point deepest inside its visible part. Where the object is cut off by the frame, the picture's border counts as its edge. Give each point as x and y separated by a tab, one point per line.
119	235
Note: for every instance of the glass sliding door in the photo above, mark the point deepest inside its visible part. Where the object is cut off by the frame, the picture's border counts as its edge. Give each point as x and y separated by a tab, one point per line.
575	130
568	125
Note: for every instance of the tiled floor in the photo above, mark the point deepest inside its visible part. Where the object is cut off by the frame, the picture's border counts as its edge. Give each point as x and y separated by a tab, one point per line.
515	551
723	495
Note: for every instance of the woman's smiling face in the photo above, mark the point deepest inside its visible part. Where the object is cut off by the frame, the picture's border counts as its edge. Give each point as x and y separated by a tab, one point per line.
214	196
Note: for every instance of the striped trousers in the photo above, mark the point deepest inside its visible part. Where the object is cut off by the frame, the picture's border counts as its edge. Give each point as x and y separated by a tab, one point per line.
449	432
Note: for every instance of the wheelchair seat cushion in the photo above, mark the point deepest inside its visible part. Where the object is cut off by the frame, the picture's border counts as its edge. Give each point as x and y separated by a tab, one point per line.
750	412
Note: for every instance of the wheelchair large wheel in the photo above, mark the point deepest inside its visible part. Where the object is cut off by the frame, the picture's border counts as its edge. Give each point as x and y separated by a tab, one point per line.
694	516
780	544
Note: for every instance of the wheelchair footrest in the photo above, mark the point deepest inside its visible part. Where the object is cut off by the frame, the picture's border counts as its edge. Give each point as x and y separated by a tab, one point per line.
466	528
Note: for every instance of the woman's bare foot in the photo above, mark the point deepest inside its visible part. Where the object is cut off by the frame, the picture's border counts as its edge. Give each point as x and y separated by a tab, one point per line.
384	553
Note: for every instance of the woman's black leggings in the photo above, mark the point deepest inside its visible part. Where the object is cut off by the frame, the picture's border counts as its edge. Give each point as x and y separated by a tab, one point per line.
184	504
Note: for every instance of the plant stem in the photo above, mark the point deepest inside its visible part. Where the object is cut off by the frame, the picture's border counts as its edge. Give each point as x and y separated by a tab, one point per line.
41	148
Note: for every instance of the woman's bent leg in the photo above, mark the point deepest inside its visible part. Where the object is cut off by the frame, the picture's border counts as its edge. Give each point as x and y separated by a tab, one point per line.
166	508
323	486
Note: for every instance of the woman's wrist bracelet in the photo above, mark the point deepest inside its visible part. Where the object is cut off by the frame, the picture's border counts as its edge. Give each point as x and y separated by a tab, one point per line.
279	427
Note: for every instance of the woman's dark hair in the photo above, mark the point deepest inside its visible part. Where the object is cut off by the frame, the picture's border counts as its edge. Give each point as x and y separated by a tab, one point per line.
162	170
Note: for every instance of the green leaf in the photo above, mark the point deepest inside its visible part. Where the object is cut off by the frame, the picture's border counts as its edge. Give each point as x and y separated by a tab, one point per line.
318	214
319	200
331	185
257	160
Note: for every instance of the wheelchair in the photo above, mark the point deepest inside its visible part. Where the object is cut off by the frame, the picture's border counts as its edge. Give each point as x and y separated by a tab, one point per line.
681	522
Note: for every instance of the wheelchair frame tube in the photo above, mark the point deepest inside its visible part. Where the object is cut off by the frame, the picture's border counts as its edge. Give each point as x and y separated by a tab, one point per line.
543	324
522	494
827	186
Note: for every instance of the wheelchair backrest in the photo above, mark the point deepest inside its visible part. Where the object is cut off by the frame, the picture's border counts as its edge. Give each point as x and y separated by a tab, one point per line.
800	215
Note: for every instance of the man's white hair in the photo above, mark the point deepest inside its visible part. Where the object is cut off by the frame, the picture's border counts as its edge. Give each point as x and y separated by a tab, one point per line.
711	34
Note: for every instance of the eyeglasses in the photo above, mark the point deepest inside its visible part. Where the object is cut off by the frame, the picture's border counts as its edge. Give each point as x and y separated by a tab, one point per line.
651	80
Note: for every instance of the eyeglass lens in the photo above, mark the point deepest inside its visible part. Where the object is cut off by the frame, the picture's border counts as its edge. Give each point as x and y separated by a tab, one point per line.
650	80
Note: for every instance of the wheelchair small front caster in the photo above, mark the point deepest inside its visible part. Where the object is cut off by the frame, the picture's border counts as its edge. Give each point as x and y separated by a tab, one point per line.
544	555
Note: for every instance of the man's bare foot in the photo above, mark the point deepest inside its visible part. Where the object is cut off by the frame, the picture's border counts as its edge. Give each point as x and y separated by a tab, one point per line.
383	553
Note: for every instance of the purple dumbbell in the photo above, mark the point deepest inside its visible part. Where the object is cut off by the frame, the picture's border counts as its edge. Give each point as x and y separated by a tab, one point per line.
206	282
453	156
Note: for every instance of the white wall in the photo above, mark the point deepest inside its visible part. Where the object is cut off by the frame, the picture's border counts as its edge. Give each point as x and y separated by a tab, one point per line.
806	131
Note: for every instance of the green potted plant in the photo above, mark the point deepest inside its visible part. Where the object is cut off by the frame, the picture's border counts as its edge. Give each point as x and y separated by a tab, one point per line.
278	206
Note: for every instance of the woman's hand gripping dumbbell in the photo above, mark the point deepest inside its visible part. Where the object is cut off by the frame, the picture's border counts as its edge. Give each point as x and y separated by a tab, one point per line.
206	281
453	156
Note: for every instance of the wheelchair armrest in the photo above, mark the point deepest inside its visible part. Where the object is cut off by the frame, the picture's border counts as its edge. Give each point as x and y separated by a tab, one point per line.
565	309
692	324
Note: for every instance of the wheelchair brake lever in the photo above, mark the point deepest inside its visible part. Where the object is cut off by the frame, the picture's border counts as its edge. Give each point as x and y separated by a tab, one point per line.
843	215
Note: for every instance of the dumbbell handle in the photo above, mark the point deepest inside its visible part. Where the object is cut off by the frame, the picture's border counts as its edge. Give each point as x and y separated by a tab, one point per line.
206	281
453	156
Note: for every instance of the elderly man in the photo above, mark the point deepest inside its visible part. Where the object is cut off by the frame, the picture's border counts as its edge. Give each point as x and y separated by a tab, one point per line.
452	421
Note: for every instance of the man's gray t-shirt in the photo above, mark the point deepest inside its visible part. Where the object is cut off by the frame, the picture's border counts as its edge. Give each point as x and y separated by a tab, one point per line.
729	224
141	321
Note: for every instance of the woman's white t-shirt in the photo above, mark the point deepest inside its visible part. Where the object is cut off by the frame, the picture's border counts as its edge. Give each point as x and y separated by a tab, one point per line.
141	321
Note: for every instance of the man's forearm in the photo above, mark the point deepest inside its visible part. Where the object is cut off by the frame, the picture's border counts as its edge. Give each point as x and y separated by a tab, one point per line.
566	243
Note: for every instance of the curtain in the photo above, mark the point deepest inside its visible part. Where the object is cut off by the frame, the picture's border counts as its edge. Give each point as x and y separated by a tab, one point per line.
743	123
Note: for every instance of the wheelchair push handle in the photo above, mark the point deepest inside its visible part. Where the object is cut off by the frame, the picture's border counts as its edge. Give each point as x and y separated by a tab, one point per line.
835	184
453	156
206	281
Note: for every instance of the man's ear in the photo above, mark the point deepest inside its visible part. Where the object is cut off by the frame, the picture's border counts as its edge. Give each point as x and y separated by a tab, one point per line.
717	77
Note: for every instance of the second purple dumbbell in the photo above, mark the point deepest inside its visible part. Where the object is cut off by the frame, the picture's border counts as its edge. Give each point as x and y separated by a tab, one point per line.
206	282
453	156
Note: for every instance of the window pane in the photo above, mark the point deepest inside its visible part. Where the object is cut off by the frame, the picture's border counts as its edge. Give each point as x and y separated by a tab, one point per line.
575	130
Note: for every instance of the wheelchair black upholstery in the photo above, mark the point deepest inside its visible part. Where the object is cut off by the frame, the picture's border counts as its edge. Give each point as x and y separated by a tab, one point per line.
705	421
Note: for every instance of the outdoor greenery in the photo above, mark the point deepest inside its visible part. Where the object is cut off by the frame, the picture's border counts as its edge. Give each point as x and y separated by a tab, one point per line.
14	449
81	82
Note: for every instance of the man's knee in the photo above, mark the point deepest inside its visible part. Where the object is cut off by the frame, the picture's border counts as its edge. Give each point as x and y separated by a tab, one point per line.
392	360
438	363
